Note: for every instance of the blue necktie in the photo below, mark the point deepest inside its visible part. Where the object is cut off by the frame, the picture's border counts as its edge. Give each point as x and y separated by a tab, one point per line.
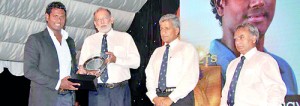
104	75
163	70
231	92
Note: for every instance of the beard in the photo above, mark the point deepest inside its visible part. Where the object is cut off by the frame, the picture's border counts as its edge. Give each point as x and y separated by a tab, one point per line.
104	29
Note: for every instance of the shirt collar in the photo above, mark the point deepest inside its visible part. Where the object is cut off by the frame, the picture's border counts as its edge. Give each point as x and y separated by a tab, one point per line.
108	33
173	43
64	33
250	53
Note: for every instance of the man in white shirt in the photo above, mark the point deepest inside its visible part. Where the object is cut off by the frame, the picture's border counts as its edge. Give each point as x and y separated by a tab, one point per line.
253	79
113	88
49	61
173	70
259	13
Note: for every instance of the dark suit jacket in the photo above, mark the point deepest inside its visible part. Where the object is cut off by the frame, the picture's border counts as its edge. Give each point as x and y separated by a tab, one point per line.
41	66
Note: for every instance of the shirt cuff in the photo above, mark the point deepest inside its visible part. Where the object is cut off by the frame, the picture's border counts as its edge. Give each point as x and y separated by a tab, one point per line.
151	95
173	98
58	84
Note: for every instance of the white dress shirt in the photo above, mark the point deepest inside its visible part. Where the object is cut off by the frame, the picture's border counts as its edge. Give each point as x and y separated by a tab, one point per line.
259	82
182	70
63	53
123	47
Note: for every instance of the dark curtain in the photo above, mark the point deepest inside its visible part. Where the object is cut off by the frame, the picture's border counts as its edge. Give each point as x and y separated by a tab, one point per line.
14	90
169	6
145	32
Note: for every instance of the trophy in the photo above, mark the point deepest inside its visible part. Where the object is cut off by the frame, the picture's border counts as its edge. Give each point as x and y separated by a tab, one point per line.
96	63
89	82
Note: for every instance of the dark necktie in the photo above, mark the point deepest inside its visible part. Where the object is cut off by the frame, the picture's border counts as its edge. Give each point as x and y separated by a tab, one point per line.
163	70
104	75
231	92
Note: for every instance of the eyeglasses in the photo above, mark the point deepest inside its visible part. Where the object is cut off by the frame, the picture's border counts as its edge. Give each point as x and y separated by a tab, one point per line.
103	18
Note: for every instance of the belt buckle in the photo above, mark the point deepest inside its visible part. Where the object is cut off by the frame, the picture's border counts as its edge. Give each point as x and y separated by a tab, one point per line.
110	86
163	91
167	90
160	91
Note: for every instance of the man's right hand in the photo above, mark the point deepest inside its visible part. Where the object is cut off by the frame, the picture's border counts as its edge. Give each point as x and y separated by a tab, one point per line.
66	84
94	72
81	70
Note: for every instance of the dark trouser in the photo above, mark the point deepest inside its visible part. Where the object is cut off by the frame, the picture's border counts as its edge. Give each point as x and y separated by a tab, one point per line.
186	101
117	96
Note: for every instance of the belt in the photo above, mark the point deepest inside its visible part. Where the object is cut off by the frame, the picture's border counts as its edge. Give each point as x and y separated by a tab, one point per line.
113	85
167	90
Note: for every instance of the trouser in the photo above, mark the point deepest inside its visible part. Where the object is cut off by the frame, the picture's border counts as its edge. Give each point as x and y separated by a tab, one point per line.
110	96
67	99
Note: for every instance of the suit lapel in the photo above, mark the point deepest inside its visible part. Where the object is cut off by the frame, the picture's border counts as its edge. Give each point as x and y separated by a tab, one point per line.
48	41
73	55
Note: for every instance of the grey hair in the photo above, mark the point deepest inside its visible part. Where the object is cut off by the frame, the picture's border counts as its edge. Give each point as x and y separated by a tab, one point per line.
252	29
101	8
170	17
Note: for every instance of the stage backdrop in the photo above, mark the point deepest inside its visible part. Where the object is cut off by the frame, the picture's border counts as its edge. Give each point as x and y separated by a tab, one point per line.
199	26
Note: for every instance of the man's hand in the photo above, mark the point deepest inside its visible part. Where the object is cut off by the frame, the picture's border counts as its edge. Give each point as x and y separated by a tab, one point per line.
162	101
167	101
81	70
68	85
94	72
111	57
158	101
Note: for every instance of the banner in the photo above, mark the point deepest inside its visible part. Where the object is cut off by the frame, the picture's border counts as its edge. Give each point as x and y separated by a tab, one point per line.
200	27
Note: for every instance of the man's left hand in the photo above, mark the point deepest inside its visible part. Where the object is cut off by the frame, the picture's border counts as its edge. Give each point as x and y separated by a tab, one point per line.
167	101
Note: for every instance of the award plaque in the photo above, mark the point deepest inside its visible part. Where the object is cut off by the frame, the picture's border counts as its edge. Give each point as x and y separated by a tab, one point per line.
89	82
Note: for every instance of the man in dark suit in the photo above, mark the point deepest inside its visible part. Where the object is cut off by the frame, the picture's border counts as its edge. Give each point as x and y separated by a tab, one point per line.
49	61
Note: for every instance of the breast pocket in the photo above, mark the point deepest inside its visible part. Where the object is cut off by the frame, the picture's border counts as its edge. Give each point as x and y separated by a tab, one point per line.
175	64
119	51
249	76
